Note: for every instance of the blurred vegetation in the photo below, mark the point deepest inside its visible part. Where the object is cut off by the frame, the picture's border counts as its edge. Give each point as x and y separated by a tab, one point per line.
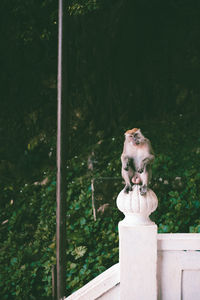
132	64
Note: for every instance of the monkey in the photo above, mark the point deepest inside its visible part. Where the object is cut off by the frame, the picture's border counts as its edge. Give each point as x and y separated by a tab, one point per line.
137	158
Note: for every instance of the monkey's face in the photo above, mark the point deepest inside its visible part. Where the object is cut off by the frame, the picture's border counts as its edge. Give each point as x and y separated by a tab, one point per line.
134	138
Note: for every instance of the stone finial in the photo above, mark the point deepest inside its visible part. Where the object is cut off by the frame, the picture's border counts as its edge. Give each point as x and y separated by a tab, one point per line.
136	207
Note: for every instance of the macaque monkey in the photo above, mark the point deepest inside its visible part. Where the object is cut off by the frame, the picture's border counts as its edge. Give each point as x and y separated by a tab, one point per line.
137	158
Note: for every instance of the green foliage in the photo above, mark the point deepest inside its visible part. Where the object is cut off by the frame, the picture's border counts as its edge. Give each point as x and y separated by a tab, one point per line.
28	238
28	251
83	7
92	246
28	244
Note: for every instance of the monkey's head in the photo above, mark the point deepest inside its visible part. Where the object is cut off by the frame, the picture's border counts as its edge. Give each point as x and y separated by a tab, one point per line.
134	136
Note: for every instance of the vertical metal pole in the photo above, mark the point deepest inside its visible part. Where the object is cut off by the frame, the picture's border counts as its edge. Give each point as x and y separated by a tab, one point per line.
61	156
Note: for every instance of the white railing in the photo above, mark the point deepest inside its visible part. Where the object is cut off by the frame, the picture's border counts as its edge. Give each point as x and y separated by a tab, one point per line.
151	266
137	245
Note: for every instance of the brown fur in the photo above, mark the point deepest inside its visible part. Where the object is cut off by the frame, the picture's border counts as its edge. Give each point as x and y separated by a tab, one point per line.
131	131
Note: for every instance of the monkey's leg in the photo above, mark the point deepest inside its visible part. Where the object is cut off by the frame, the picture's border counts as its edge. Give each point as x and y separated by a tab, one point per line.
127	176
145	182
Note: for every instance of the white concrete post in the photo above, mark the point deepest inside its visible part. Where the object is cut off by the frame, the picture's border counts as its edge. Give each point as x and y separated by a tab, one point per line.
137	245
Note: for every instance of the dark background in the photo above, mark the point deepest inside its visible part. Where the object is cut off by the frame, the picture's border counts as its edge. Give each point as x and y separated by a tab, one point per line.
128	61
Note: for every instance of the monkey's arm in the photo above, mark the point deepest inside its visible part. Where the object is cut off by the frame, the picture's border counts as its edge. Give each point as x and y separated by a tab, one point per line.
147	160
125	162
151	157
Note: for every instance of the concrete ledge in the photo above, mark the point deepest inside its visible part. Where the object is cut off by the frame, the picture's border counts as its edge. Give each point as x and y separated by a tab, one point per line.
110	278
178	241
98	286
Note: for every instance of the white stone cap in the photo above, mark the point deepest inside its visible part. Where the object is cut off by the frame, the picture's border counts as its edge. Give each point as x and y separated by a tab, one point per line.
137	208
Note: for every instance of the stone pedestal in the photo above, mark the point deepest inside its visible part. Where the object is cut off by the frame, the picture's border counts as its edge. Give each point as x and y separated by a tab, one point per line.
137	246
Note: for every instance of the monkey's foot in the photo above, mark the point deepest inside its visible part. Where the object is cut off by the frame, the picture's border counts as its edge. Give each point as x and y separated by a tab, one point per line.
143	190
127	189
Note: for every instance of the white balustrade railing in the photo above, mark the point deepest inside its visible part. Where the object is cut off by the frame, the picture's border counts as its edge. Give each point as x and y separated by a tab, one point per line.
137	245
151	266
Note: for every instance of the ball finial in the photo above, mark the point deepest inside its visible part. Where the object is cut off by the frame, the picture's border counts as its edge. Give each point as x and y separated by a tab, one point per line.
136	207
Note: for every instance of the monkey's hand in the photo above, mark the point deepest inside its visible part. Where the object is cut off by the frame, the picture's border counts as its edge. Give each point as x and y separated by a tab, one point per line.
141	170
142	167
